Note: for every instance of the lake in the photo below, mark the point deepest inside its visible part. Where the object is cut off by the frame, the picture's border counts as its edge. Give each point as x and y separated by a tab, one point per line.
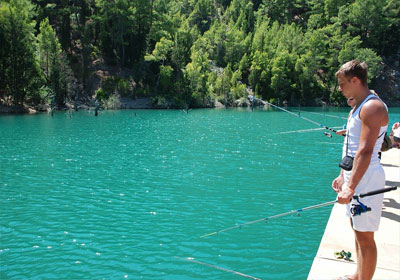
127	194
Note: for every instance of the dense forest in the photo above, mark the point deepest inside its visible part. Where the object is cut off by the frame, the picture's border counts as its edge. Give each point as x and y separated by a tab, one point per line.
189	53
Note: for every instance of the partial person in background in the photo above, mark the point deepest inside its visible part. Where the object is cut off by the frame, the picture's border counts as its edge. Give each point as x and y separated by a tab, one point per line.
350	102
395	135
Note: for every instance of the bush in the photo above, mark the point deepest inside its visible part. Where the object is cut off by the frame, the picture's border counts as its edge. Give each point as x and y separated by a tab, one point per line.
102	95
112	102
123	87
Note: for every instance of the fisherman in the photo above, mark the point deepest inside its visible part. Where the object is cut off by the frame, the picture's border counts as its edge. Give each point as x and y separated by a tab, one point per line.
366	126
52	105
186	110
76	102
252	100
96	109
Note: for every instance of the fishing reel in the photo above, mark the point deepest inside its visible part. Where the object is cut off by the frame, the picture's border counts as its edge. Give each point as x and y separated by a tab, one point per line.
358	209
328	134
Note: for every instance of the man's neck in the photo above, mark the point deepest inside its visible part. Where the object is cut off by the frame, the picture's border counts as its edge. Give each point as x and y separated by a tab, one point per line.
359	98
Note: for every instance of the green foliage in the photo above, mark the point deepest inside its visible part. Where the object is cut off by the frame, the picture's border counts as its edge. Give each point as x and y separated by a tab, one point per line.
20	72
112	102
183	41
49	48
186	52
108	88
124	87
101	94
123	27
373	21
203	13
161	51
53	63
112	86
196	72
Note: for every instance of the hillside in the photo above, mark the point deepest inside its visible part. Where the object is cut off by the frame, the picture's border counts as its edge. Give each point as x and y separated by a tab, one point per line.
183	53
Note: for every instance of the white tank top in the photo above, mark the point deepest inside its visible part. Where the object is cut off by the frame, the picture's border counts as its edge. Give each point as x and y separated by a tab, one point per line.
354	132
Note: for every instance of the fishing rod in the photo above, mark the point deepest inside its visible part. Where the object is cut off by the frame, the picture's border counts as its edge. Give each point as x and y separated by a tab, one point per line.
304	118
358	209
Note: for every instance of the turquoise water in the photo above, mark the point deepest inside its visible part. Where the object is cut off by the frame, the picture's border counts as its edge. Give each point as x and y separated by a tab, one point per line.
120	196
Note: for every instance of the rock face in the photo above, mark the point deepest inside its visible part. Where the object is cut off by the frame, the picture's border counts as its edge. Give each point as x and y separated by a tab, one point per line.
254	101
14	109
139	103
249	101
387	84
242	102
218	104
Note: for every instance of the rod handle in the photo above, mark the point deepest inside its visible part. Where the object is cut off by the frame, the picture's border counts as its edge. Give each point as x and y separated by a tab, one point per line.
375	192
331	129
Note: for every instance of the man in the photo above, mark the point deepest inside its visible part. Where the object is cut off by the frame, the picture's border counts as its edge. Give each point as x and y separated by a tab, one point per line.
366	127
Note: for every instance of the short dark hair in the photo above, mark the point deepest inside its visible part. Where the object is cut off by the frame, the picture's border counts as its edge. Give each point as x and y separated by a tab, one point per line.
354	68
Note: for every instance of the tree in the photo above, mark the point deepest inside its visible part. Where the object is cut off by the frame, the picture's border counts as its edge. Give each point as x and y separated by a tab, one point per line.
372	21
332	7
260	76
184	38
352	50
53	62
280	75
21	74
196	72
125	29
81	27
238	88
241	14
160	55
49	49
116	21
59	14
183	50
203	14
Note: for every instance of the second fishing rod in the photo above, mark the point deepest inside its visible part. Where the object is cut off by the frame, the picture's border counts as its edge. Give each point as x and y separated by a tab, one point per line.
304	118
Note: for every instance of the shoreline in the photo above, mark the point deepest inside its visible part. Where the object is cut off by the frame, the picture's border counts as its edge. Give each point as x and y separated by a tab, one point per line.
143	103
125	103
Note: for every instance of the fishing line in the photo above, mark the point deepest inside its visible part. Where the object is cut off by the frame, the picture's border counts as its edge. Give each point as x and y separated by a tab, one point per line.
325	115
303	130
218	267
298	211
329	143
300	116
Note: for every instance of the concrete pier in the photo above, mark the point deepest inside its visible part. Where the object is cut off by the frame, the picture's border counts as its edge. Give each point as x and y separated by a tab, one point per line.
339	236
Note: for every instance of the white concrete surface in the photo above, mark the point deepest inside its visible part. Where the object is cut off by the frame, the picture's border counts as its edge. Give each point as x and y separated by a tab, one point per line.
339	236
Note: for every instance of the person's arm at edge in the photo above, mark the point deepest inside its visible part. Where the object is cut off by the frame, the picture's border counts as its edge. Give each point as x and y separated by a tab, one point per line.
341	132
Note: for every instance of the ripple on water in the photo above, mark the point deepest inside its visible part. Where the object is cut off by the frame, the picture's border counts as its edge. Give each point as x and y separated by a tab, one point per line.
118	197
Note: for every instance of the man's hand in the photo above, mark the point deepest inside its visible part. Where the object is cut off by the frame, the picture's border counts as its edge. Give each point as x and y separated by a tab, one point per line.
338	183
345	196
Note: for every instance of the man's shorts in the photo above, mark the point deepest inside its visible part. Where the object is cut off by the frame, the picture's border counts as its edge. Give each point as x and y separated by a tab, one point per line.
373	179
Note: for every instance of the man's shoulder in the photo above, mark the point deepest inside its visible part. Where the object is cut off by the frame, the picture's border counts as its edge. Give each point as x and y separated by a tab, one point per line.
374	109
374	104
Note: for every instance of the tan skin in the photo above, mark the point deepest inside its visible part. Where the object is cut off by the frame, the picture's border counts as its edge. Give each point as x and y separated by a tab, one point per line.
350	102
373	116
